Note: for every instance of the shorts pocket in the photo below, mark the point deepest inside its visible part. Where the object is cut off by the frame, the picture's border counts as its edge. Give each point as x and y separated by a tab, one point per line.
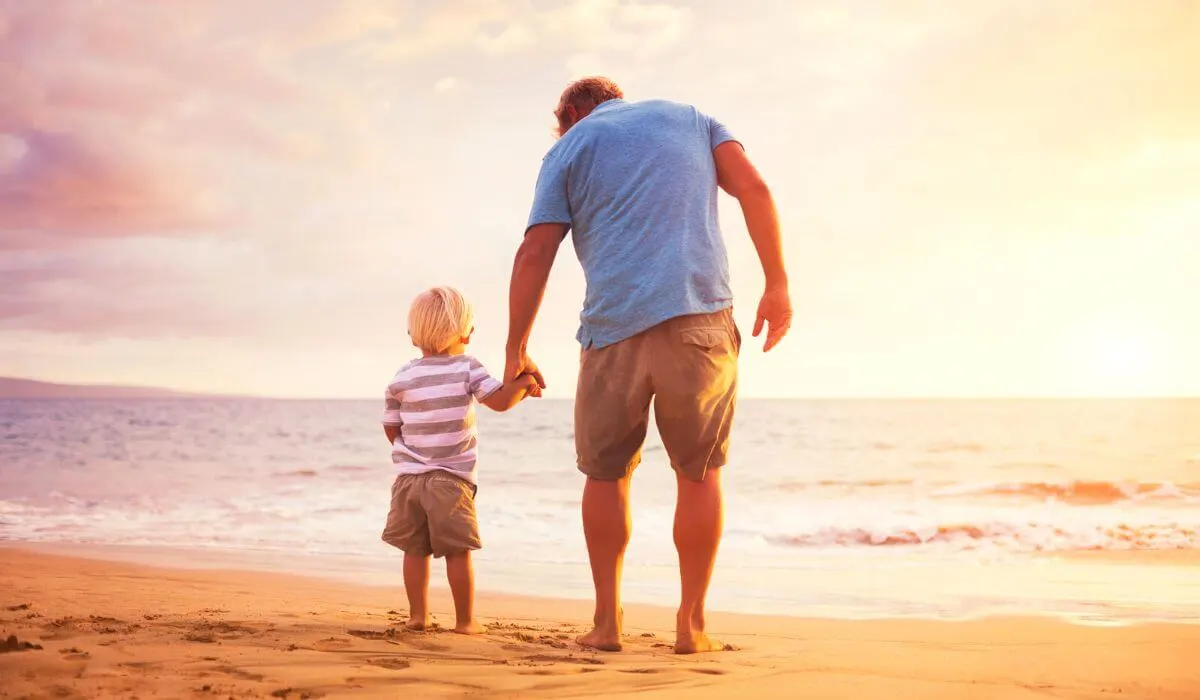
707	338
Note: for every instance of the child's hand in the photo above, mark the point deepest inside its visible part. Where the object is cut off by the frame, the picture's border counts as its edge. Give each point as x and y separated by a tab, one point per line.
530	386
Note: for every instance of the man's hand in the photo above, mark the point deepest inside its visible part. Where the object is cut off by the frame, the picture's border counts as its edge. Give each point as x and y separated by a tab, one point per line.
738	176
519	363
775	310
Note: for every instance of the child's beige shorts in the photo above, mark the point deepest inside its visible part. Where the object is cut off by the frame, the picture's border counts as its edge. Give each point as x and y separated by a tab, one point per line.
432	513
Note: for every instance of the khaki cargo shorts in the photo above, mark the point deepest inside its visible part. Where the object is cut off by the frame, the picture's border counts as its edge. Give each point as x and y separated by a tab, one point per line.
686	366
432	513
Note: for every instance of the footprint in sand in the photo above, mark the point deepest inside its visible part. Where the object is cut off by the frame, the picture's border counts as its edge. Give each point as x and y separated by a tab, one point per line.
552	658
14	644
210	632
239	673
558	671
703	671
141	665
300	693
390	663
60	628
332	644
399	635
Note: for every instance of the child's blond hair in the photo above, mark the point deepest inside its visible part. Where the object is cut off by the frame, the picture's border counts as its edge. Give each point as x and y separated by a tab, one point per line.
439	318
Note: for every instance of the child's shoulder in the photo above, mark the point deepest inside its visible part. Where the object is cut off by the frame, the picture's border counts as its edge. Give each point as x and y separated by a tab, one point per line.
405	373
425	366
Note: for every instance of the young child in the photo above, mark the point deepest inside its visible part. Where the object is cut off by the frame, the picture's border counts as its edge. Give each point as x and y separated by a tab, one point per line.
430	421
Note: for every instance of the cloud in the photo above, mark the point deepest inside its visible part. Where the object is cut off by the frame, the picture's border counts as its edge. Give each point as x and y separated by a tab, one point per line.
515	37
128	122
447	84
61	186
12	152
522	26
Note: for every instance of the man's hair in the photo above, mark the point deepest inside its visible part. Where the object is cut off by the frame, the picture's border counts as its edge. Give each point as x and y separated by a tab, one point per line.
585	93
438	318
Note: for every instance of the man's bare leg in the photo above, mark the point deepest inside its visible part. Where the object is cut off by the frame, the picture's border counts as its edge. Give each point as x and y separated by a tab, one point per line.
416	586
699	517
606	528
461	575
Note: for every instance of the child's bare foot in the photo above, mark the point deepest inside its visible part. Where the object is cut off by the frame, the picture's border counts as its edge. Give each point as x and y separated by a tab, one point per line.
471	627
605	634
696	644
419	624
690	637
600	640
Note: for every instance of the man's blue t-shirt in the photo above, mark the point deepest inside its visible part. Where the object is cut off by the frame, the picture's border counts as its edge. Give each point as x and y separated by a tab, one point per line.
636	183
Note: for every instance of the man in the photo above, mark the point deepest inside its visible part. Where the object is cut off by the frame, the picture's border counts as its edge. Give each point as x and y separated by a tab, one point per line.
637	185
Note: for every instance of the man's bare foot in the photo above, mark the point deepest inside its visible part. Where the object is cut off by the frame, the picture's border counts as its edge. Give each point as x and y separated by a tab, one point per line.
697	644
418	624
600	640
471	627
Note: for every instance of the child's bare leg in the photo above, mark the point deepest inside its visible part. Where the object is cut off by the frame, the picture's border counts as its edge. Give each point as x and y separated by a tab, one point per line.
461	574
416	585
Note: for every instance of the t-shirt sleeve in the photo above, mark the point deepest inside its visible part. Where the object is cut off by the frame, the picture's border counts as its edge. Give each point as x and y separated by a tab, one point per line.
718	133
391	408
550	203
482	384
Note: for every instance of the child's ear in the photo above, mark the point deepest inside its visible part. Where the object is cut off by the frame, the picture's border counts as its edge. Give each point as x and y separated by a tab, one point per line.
467	338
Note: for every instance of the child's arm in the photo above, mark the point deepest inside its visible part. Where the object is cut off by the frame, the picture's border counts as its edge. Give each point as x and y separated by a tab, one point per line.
511	393
392	416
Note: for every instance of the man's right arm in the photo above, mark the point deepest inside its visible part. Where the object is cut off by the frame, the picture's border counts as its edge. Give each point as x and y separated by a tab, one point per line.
531	270
549	222
738	176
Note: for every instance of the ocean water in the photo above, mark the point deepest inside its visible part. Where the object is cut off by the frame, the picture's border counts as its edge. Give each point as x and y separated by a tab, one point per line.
835	508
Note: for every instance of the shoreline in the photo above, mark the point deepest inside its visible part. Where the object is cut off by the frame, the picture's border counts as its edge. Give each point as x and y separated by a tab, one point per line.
119	629
1180	567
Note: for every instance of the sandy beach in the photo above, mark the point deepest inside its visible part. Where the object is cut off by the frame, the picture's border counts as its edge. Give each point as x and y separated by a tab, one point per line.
86	628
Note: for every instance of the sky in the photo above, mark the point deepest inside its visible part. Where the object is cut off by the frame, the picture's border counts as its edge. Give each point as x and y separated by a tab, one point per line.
994	198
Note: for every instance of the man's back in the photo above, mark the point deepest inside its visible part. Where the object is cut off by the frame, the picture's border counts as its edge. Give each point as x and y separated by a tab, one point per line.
637	184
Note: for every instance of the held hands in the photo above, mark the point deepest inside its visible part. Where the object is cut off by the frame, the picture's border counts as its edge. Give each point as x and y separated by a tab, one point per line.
519	367
530	386
775	310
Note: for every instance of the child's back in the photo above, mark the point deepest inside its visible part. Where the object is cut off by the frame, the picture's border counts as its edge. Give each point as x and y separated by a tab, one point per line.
432	401
429	419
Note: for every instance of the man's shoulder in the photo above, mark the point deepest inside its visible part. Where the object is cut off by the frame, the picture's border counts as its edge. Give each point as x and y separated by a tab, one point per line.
664	106
647	116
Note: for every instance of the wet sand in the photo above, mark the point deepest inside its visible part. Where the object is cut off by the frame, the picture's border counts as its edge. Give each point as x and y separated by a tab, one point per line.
116	629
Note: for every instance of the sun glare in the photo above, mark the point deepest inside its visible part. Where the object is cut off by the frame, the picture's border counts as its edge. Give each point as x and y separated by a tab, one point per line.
1118	357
